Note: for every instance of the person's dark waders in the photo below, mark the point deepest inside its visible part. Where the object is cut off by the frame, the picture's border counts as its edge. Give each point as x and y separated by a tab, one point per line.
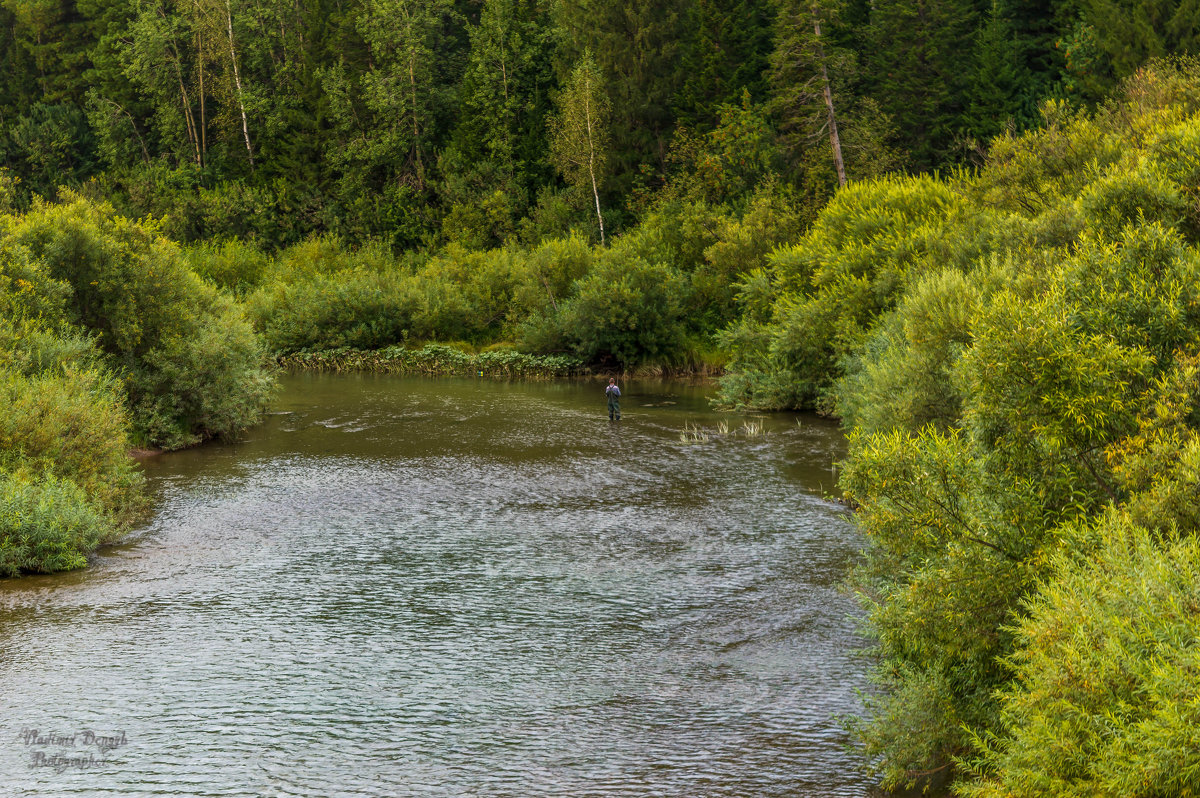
614	407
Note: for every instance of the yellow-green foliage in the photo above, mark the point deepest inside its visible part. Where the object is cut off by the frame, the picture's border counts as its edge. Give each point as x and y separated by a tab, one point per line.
1016	352
1105	702
66	481
70	424
104	332
627	310
235	266
46	526
874	241
320	295
903	376
1103	696
192	367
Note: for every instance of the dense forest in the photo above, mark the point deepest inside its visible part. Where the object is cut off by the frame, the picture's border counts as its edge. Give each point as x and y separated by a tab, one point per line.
969	230
423	123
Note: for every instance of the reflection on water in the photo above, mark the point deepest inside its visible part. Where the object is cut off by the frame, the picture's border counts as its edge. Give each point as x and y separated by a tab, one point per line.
405	587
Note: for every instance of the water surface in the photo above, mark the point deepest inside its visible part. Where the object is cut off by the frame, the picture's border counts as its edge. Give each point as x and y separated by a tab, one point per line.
409	587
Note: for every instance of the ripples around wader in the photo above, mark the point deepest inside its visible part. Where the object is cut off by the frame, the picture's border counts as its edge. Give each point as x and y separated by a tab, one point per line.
408	587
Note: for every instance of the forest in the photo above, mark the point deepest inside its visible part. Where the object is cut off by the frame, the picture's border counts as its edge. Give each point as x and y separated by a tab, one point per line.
968	230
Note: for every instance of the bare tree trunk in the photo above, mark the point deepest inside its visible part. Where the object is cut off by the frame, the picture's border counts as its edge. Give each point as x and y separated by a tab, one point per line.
203	116
834	140
592	157
237	80
188	117
416	130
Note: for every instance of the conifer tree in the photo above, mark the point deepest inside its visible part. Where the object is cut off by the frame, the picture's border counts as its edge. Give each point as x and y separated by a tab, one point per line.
915	55
1131	32
803	96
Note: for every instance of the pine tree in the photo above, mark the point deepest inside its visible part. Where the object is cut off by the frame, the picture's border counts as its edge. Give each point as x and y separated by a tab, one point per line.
1131	32
723	53
916	50
802	96
993	98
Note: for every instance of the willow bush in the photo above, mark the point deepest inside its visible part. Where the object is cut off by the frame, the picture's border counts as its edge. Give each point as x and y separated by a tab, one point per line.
66	480
192	366
46	525
107	338
1014	353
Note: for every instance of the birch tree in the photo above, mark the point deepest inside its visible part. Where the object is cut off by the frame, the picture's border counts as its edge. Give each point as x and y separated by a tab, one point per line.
579	141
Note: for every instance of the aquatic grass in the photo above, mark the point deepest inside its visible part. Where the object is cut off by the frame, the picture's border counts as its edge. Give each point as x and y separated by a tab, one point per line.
693	433
435	360
753	429
723	427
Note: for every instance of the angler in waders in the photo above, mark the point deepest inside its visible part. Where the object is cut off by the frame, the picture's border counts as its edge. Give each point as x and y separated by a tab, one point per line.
614	400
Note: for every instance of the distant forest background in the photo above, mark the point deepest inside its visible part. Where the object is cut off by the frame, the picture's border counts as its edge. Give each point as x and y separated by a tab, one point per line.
420	123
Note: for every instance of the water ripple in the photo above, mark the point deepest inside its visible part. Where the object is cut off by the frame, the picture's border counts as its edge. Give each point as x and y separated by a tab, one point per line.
414	588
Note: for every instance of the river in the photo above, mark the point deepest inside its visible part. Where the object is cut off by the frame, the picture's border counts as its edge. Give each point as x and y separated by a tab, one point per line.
411	587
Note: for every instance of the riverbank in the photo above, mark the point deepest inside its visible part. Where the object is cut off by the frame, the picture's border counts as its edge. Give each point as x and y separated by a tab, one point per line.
444	360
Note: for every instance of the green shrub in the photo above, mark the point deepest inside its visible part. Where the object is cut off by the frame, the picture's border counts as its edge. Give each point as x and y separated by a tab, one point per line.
326	255
627	311
903	377
873	242
27	291
358	308
70	424
152	316
1030	172
1132	194
548	276
1175	152
46	526
1054	368
1105	702
234	266
742	245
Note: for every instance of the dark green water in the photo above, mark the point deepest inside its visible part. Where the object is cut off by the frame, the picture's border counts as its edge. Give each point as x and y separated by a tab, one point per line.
401	587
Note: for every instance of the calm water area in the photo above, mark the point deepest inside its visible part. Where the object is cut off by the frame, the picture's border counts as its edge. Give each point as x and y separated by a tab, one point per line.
413	587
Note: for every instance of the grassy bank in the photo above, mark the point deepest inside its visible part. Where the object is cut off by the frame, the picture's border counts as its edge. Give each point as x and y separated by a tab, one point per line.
436	360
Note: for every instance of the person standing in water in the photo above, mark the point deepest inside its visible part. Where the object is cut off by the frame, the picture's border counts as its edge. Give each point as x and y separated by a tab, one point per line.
614	400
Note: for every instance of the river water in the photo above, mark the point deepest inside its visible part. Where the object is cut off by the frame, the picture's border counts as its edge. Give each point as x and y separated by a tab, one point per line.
410	587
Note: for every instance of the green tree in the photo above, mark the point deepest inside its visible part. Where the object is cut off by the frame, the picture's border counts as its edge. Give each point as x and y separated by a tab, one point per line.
915	52
636	46
580	139
1131	32
399	88
723	52
803	96
497	157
